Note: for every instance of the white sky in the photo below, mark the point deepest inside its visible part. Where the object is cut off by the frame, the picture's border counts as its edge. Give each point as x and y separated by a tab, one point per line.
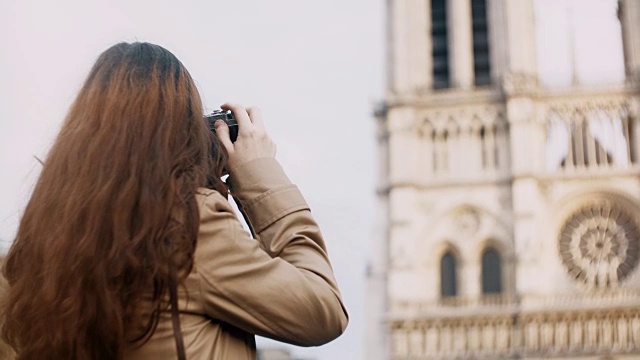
595	29
314	67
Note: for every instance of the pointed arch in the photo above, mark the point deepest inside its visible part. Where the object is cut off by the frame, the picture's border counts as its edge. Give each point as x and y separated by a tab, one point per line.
481	54
492	268
449	274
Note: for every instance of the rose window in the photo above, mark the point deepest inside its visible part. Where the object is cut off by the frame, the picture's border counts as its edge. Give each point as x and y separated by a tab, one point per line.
600	244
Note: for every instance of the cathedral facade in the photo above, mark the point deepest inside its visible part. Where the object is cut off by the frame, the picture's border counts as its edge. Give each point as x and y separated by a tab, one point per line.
509	211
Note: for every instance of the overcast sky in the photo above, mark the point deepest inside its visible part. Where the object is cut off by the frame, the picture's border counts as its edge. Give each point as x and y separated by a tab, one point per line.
314	67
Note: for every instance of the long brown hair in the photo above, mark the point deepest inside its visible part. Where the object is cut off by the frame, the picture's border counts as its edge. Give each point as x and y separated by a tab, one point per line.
113	210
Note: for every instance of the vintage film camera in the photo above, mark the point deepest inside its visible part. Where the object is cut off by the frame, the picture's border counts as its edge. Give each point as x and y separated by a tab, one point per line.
227	117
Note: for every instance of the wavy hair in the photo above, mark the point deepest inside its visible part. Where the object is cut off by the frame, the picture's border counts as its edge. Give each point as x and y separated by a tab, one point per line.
113	210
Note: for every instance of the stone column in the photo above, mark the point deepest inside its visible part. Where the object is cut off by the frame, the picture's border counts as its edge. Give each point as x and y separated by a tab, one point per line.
629	11
403	146
470	278
459	25
421	59
376	344
403	177
521	38
526	140
520	83
398	46
409	54
497	25
426	154
504	148
635	117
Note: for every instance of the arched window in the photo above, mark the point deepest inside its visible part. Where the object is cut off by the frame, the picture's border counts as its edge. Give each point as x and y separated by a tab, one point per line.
481	63
491	272
633	142
440	44
448	278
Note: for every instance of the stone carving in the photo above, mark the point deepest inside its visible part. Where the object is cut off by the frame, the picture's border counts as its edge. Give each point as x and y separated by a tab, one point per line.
519	84
600	244
467	221
589	332
464	143
590	135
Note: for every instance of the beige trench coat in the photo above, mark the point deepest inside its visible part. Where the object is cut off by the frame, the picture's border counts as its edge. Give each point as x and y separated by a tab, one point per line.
279	285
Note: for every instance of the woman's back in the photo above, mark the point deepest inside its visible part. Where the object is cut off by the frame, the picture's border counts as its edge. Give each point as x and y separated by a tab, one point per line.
120	225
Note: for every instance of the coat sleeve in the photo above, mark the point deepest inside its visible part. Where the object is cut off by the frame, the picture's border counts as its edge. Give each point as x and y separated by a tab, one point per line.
280	285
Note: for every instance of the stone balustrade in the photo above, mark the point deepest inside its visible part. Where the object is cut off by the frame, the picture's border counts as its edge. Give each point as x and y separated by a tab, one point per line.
592	300
539	334
590	131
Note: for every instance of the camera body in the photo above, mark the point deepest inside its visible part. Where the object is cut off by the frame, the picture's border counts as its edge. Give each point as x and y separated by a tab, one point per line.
228	118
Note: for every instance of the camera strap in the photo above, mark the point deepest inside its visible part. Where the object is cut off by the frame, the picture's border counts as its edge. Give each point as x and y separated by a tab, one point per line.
175	316
173	294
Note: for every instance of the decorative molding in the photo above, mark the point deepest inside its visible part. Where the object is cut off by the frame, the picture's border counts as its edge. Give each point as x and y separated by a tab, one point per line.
518	84
445	98
467	221
542	334
600	244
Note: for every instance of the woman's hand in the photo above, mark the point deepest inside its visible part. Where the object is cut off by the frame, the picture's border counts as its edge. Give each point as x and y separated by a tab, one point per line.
252	143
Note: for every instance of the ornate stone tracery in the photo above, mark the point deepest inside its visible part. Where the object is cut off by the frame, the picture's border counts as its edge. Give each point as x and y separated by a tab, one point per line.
505	166
536	334
599	244
467	221
591	134
469	141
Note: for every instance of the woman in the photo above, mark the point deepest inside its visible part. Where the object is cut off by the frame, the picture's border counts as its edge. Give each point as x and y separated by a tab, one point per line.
5	351
122	253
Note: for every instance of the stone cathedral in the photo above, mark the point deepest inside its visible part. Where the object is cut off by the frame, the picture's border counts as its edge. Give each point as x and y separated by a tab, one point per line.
509	211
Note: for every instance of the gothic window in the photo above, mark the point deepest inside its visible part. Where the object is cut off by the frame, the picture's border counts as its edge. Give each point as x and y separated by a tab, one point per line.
596	139
491	272
444	157
440	151
439	44
481	63
633	142
489	147
436	151
483	153
448	278
600	244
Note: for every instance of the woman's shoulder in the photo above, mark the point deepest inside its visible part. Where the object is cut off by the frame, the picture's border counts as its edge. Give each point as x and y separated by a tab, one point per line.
211	200
203	193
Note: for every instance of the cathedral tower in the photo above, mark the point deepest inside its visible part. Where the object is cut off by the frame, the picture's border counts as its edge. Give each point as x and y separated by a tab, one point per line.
509	208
